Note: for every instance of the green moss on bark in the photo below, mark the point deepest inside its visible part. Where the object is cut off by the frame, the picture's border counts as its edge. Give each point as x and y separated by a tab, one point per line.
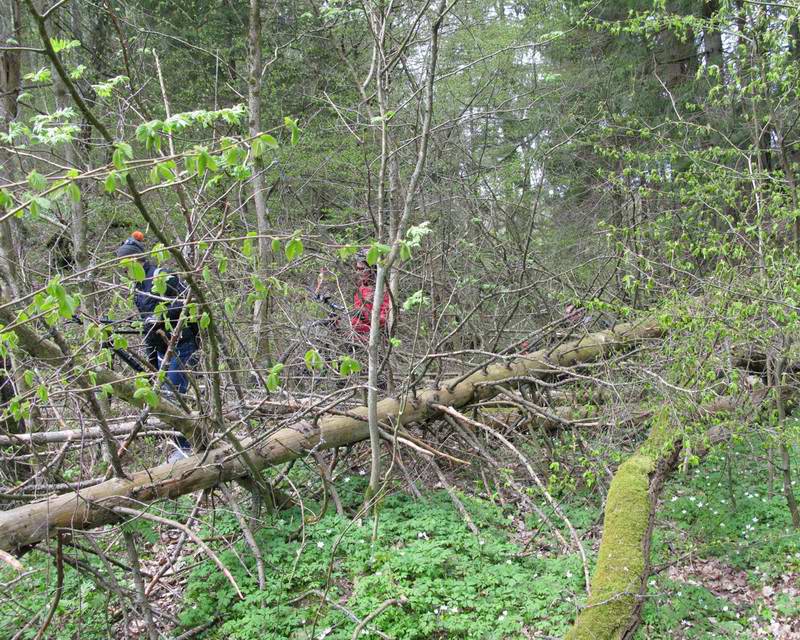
621	562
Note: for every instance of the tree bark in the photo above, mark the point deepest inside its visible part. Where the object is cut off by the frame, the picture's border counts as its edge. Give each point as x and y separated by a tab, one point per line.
10	88
261	310
29	524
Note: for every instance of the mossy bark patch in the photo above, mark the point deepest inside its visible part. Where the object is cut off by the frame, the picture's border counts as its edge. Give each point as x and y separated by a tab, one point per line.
620	566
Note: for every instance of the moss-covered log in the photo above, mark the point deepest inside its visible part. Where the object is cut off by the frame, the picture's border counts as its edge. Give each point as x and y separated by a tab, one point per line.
623	564
26	525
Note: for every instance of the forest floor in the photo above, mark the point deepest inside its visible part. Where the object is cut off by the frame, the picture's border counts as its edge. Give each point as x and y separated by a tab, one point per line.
727	565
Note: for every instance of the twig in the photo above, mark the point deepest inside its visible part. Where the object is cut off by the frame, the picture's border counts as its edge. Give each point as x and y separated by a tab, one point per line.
197	540
138	582
456	501
248	534
551	501
383	606
11	560
59	587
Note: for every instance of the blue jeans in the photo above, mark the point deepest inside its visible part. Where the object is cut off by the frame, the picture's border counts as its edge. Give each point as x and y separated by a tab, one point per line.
183	359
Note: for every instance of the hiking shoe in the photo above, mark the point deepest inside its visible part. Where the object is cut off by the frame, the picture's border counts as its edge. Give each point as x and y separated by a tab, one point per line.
177	454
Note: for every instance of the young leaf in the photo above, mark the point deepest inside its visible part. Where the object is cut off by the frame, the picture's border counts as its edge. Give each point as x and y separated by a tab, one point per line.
294	248
291	124
159	282
37	181
273	379
348	365
122	152
375	252
74	192
314	361
268	140
63	45
135	270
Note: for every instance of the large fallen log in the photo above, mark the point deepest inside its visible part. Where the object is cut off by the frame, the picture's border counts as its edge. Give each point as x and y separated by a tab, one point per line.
29	524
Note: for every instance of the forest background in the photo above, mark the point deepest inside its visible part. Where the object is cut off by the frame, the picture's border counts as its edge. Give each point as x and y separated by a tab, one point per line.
580	416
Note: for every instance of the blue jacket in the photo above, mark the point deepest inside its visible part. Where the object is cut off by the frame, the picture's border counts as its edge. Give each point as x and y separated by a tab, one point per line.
174	297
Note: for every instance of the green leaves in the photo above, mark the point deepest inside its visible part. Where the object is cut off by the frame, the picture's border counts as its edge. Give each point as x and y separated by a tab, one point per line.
60	44
263	142
149	133
110	184
376	252
273	379
147	394
294	248
291	124
247	244
413	239
163	171
35	206
416	299
43	75
122	152
67	304
77	72
205	320
37	181
105	89
73	191
313	360
205	161
136	270
159	281
348	365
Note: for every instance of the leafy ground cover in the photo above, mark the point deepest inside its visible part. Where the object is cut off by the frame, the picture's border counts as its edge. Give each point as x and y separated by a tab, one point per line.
727	565
456	585
729	559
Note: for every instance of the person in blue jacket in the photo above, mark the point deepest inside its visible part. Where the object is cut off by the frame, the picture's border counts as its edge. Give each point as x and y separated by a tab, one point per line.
155	308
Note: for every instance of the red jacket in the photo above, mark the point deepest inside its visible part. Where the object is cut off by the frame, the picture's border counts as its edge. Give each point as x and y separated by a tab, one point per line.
362	304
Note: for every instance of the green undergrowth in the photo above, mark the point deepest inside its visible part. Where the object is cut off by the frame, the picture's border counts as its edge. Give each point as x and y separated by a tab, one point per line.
457	585
726	517
500	584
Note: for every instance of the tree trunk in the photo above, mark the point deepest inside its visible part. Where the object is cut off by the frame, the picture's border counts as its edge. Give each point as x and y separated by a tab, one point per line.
27	525
10	88
261	310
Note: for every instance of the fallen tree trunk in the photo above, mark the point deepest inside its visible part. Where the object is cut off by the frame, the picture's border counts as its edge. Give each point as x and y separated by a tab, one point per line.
76	435
619	582
29	524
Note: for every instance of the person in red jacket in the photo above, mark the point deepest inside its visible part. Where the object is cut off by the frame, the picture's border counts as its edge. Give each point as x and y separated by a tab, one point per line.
361	317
